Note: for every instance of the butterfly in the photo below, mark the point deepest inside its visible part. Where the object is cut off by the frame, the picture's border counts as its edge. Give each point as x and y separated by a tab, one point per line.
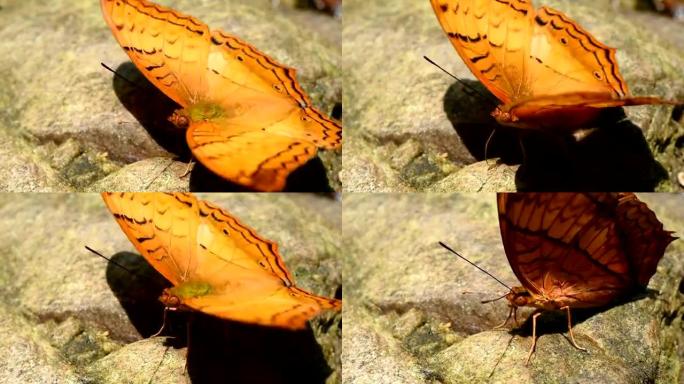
545	69
217	265
578	250
245	116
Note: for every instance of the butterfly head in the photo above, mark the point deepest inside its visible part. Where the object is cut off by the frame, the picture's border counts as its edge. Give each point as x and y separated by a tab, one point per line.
180	119
519	297
170	300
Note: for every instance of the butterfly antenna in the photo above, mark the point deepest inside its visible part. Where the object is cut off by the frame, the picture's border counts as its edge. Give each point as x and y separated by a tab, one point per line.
111	261
483	96
474	265
118	75
493	300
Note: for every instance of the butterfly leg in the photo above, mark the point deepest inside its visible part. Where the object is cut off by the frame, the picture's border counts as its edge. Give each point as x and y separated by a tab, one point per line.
191	163
534	336
510	312
515	317
163	323
489	139
572	337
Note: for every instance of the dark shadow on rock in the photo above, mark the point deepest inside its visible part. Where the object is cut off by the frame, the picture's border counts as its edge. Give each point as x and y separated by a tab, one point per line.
469	110
222	351
152	109
310	177
319	5
336	112
137	288
557	322
614	156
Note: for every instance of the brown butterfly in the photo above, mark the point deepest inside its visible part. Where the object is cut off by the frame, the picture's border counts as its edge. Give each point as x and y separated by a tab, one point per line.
578	250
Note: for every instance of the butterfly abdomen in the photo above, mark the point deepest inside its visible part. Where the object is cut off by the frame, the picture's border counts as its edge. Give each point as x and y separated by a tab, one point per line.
191	289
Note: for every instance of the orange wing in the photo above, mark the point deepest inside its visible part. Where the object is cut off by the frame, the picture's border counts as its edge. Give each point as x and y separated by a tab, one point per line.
248	119
168	47
534	61
271	110
217	265
578	249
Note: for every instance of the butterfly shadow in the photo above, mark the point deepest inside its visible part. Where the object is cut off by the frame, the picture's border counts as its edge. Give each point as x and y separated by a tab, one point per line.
222	351
310	177
556	322
152	109
612	156
137	288
219	351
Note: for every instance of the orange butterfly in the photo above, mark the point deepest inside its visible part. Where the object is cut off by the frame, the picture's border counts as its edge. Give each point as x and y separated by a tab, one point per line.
246	117
578	250
546	70
217	265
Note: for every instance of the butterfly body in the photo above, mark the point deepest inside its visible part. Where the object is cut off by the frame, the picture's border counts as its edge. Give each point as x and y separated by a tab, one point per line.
247	118
561	119
545	69
578	250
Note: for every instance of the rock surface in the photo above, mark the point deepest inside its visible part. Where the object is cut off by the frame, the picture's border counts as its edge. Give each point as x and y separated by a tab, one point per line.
410	127
413	312
66	123
69	316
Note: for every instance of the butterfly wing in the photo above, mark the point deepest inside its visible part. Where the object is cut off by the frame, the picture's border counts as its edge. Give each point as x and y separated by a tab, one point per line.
565	59
247	277
250	280
492	38
161	227
168	47
570	109
229	151
266	126
644	236
566	246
